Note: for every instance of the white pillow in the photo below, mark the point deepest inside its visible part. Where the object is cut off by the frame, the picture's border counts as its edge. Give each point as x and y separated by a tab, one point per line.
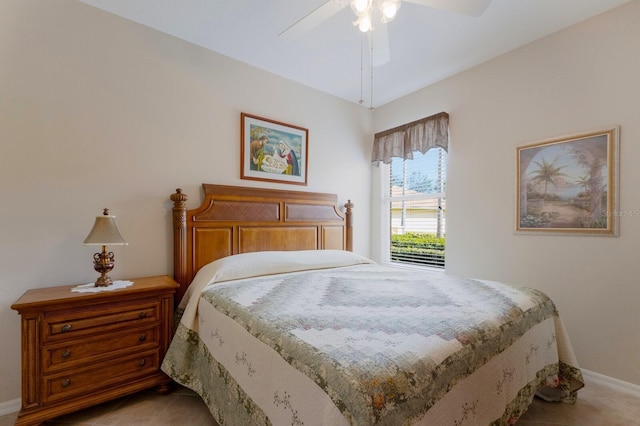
247	265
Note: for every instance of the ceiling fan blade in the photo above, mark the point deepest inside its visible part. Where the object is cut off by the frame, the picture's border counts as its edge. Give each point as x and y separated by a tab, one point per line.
313	19
465	7
380	39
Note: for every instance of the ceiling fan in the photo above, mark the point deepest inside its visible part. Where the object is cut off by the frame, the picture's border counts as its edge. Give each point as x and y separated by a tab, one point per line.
386	9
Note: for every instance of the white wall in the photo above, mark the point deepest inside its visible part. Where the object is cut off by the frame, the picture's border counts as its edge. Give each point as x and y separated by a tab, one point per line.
580	79
96	111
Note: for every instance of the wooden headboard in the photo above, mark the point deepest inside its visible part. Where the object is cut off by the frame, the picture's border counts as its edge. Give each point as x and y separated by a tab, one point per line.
233	220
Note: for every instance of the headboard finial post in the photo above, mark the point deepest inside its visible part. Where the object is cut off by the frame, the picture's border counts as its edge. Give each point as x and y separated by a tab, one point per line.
180	239
179	198
348	213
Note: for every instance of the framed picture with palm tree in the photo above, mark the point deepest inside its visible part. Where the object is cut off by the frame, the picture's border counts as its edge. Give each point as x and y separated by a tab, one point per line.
569	185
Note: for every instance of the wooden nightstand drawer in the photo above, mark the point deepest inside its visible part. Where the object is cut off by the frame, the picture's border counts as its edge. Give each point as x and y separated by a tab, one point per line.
103	317
101	347
90	379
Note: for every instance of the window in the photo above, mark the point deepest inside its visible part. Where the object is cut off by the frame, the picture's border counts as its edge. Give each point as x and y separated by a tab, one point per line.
414	209
413	190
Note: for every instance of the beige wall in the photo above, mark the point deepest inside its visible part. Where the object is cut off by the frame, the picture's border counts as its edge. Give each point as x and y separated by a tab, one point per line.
96	111
580	79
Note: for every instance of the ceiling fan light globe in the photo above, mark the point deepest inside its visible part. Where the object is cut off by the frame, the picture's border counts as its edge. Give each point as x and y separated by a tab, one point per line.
389	8
364	23
360	7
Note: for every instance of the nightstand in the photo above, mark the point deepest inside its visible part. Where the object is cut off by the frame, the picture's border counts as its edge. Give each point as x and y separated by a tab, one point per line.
82	349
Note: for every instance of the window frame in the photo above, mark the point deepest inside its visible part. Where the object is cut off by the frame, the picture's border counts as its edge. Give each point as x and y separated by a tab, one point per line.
386	197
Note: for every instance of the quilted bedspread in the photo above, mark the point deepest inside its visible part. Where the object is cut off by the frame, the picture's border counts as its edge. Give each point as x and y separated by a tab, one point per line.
383	345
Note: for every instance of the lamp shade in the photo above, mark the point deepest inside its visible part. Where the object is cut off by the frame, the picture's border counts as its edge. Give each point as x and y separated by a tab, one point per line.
105	232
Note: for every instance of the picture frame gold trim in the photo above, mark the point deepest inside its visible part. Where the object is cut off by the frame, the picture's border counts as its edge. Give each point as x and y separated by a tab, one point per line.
273	151
569	185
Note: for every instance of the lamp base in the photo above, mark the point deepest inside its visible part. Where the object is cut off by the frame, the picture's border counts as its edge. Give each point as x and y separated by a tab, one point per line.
103	263
103	281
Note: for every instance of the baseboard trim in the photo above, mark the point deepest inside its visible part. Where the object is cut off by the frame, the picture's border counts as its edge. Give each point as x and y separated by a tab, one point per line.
8	407
610	382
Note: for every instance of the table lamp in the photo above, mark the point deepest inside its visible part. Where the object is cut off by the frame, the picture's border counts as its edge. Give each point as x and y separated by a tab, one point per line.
104	232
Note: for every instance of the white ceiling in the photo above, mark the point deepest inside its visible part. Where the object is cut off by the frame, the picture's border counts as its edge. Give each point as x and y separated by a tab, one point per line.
426	44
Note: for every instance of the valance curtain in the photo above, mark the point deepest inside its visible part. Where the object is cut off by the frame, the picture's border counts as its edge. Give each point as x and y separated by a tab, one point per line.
419	135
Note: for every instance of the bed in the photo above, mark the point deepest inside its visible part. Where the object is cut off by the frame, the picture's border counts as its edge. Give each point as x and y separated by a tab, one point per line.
281	323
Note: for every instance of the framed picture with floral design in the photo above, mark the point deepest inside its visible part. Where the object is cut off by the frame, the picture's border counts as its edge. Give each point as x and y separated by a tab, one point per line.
569	185
273	151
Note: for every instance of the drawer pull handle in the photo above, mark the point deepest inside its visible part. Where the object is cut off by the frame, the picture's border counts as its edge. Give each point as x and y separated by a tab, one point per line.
142	337
66	354
65	328
142	362
143	314
66	382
